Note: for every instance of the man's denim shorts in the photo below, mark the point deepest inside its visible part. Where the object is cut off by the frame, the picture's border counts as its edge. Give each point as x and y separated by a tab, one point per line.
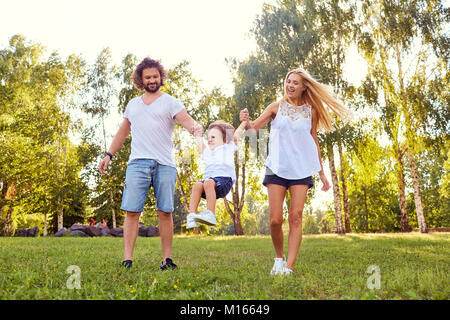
223	186
140	176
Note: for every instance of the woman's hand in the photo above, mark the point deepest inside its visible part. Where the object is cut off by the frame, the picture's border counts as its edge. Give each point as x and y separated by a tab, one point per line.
326	184
244	116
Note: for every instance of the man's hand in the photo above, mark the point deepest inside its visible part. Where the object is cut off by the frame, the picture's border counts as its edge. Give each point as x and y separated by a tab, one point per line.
104	165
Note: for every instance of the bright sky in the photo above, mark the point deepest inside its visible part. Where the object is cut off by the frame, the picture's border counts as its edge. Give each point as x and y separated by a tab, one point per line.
204	32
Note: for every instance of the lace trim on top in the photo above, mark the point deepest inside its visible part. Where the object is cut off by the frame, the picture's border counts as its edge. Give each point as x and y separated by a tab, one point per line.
295	113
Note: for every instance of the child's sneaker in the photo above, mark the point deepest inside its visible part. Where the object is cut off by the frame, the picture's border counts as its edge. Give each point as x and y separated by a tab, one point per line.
278	266
207	217
190	222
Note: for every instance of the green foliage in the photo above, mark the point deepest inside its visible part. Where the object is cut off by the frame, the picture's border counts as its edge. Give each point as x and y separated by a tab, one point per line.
310	225
47	179
35	95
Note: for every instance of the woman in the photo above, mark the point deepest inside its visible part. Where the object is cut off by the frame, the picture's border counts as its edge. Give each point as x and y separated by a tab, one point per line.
294	155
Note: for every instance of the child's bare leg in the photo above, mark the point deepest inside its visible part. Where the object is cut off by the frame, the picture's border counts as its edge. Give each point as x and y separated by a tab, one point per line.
196	196
210	192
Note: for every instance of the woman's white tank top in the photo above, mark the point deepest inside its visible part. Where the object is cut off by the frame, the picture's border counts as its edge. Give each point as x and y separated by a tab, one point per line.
293	153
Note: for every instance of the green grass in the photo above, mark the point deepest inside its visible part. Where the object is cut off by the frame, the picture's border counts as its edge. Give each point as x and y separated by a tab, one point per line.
413	266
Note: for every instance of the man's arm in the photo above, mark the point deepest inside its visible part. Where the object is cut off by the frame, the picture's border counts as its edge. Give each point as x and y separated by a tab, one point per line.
186	121
116	144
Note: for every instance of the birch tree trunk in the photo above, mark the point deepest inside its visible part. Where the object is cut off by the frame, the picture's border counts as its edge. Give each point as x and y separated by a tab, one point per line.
344	190
336	193
410	151
404	222
111	198
417	194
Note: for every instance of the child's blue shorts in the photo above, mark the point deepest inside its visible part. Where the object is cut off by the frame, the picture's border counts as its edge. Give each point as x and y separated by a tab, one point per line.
223	186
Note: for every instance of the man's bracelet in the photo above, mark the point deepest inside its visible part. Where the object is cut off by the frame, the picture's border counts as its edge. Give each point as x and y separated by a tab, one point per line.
109	154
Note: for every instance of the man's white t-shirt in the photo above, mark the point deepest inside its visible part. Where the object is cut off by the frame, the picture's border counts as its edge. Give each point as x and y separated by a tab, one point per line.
219	162
152	127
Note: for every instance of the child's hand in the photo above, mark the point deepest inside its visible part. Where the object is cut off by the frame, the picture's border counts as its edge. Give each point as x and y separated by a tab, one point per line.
198	130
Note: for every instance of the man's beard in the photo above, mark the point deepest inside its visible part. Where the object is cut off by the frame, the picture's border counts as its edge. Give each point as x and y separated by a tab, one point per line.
157	86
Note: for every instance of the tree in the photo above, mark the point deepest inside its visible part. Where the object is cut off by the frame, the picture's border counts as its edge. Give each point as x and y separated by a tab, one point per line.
35	95
293	33
395	32
99	93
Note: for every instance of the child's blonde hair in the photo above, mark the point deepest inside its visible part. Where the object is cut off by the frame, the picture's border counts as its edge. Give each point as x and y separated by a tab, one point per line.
225	128
316	94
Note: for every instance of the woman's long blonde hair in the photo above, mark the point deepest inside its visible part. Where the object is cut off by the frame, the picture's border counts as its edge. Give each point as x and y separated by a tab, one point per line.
317	94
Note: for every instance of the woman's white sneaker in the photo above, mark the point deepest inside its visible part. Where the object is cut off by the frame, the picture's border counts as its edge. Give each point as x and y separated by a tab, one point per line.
278	266
287	271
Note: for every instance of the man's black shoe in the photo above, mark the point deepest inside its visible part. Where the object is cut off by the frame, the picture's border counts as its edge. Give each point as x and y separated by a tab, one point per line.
127	264
168	265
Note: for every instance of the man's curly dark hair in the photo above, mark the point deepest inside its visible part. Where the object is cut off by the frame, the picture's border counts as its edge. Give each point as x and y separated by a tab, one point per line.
147	63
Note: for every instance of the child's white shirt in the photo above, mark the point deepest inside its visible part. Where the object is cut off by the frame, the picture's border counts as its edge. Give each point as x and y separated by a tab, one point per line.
219	162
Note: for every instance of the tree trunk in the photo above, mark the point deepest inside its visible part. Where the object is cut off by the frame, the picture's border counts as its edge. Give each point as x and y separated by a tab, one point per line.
366	209
404	223
410	152
111	198
238	201
344	190
45	225
61	198
3	197
336	193
238	230
60	213
417	194
184	195
7	225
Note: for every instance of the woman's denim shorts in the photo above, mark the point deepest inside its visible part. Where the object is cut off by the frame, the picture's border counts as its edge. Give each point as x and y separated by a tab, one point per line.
270	177
140	176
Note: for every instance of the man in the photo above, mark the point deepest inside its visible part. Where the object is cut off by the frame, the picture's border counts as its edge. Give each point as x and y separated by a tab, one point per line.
151	118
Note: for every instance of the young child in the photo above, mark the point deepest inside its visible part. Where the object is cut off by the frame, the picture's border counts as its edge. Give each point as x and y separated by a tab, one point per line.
219	175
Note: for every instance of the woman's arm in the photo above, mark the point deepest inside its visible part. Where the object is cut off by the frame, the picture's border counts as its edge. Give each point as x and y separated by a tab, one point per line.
268	114
314	123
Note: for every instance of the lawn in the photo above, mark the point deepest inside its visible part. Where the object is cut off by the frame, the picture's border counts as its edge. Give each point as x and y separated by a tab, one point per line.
412	266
